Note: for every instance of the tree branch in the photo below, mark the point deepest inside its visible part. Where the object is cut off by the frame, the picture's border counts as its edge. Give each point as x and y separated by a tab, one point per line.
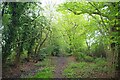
100	15
90	12
26	40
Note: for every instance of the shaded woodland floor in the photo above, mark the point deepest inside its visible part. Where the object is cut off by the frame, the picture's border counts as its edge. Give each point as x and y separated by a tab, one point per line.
53	67
31	68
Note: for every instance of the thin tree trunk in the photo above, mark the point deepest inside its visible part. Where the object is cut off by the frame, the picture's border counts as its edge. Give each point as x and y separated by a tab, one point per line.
17	57
118	67
88	47
30	49
43	41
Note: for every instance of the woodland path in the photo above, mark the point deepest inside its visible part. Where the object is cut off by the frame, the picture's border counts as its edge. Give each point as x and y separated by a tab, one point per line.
60	64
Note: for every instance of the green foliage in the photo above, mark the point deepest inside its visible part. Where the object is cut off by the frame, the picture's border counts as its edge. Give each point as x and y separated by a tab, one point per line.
82	29
44	63
83	57
43	53
79	56
56	51
21	28
10	58
89	59
86	69
100	62
44	73
45	70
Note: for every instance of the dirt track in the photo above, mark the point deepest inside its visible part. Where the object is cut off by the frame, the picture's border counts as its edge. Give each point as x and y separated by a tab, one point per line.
60	64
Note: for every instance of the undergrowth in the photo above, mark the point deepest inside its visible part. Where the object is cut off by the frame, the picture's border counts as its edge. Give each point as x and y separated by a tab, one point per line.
83	69
47	72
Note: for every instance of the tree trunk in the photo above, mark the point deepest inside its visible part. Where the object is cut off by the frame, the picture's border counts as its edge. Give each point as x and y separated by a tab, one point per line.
115	49
30	49
88	47
17	57
118	68
43	41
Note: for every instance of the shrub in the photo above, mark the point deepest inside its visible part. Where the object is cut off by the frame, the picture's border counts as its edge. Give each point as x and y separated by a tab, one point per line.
83	57
79	56
88	59
42	54
56	51
101	62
